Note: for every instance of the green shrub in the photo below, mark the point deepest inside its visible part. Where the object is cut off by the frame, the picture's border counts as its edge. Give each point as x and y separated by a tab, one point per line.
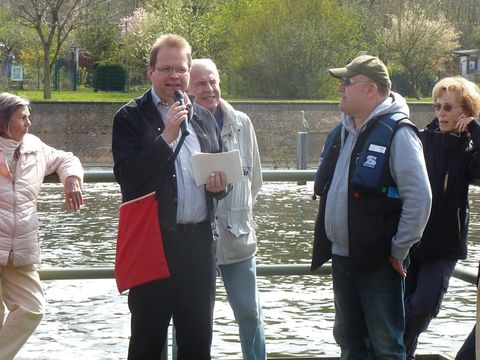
109	77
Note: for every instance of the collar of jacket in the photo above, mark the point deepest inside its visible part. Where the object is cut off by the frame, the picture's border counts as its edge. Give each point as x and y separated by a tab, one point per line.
231	121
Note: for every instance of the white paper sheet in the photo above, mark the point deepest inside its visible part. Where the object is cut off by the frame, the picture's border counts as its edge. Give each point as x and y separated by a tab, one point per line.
204	164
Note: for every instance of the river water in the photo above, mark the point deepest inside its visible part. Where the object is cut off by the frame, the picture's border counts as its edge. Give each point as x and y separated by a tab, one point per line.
88	319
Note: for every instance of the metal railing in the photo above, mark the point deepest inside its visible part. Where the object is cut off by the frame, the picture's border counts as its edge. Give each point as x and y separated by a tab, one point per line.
100	174
460	272
105	174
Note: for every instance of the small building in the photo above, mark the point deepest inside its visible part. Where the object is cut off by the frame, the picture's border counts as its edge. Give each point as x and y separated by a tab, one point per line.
469	66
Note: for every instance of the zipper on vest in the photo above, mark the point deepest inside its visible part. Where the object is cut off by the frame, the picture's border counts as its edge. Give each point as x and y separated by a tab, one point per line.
357	157
14	212
10	258
14	229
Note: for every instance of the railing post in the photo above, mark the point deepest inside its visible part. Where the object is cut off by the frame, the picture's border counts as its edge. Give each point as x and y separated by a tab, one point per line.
302	147
302	153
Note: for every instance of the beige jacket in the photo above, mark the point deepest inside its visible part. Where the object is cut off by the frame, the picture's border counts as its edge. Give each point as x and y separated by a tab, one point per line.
19	188
236	228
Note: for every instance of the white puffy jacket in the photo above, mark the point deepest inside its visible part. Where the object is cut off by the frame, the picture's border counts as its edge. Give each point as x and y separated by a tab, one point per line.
19	190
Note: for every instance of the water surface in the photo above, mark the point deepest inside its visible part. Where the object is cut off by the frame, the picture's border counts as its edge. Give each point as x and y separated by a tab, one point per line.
88	319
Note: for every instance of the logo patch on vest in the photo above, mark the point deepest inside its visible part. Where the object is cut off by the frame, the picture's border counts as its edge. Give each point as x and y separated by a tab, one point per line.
377	148
371	161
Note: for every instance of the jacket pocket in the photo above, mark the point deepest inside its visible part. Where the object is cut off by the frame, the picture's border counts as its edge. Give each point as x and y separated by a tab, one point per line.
29	168
240	222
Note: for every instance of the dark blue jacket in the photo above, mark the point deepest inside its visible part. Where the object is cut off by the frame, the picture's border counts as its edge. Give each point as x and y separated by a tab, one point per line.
143	161
453	162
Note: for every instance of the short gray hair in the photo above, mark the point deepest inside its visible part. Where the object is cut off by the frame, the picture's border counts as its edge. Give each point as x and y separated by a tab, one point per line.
9	103
208	63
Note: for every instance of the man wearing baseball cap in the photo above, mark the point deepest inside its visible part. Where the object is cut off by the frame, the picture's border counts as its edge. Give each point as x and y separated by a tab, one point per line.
375	201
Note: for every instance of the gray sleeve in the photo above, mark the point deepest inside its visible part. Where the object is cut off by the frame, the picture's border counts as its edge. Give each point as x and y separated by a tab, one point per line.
407	165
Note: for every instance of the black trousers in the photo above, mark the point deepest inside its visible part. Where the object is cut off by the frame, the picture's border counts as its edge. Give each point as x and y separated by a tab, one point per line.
425	286
188	296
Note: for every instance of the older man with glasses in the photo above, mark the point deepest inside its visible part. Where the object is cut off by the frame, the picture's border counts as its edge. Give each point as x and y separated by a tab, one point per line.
375	200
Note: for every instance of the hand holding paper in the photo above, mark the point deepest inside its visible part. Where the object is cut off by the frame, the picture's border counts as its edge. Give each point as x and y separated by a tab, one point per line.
217	182
204	164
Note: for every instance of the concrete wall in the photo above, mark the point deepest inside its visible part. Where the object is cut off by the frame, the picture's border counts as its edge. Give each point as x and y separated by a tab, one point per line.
85	128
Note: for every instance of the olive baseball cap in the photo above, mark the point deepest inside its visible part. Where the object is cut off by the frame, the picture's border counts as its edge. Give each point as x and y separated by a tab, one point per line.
367	65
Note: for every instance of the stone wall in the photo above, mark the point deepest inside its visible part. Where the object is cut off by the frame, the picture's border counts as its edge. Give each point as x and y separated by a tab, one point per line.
85	128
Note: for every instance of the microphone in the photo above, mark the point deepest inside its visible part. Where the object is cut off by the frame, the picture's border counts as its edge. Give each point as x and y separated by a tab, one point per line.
178	96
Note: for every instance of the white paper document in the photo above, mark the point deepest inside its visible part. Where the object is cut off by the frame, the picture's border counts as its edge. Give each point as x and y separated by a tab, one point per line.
204	164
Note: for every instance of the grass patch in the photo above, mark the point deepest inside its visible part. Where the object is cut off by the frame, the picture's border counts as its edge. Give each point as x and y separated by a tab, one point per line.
88	95
82	95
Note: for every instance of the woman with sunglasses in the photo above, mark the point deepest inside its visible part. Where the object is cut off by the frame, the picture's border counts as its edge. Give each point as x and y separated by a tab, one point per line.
451	144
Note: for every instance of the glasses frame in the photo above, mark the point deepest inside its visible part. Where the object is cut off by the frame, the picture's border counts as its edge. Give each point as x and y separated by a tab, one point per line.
447	107
169	70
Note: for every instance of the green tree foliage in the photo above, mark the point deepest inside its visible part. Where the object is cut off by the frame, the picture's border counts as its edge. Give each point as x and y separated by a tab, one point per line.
100	37
19	41
13	36
263	48
281	49
418	43
188	18
464	15
53	21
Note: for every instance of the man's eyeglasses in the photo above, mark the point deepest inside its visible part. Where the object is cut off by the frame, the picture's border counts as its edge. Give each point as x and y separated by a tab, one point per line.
168	70
346	81
446	107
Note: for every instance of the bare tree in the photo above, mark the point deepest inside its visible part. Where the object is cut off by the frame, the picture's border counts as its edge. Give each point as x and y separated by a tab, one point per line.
53	21
417	43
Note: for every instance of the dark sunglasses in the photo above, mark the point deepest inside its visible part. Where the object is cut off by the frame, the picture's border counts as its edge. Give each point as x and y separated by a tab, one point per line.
346	81
446	107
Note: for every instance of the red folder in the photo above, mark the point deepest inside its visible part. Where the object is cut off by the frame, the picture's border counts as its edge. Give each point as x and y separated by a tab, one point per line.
140	257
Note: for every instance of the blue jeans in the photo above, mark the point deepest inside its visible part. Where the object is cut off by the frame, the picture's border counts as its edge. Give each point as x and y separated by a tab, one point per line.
240	282
369	312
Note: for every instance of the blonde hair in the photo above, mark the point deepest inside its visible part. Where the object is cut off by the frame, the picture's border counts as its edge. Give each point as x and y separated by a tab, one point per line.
170	40
467	92
9	103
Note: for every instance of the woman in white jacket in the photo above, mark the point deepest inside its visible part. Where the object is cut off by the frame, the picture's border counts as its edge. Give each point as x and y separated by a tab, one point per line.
24	161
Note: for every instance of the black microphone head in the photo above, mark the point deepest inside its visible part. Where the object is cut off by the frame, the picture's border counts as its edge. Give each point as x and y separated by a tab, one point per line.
178	96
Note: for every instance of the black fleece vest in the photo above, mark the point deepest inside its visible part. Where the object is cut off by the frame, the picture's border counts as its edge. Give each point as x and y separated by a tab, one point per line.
374	206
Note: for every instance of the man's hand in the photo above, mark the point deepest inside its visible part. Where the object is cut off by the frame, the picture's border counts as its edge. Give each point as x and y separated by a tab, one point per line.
175	116
398	266
217	182
73	193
